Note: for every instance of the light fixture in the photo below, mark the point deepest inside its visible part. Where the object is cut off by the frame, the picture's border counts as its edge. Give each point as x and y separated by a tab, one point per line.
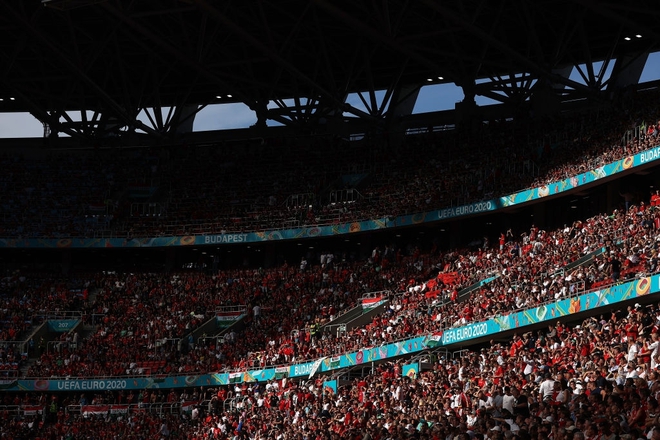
627	38
12	99
229	96
218	96
638	36
2	99
430	79
440	78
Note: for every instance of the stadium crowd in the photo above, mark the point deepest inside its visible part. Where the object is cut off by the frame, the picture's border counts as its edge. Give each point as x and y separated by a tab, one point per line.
150	318
596	380
198	190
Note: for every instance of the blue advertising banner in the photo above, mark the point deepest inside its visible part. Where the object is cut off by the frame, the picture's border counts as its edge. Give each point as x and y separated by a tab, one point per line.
553	311
62	325
330	387
410	370
643	158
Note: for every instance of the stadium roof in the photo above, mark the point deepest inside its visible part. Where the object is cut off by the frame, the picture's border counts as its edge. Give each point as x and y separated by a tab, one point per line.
112	59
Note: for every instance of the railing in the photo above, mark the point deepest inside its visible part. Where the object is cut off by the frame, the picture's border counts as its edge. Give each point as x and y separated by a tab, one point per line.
8	375
235	403
217	339
344	196
337	330
231	310
459	354
384	294
159	408
22	345
173	343
58	314
147	209
12	410
299	334
577	287
55	346
96	318
300	200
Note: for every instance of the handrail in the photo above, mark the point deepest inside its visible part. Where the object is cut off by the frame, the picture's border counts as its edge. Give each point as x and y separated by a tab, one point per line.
96	316
55	346
104	408
59	314
230	309
382	293
231	402
12	410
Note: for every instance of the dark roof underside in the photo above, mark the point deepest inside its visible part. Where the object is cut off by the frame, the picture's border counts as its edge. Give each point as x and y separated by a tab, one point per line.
115	58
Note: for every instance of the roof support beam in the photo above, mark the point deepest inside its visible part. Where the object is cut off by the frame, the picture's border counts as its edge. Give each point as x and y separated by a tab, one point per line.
71	65
505	48
281	61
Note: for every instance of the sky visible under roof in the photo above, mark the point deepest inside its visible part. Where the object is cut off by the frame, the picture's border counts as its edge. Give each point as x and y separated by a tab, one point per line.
434	97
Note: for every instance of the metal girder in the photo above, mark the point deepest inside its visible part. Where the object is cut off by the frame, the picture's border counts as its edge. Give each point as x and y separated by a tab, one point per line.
278	59
177	54
375	35
119	57
521	59
46	118
71	65
606	10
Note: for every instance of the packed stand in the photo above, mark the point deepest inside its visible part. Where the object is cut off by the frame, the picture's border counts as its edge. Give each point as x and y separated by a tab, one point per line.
136	317
214	196
596	380
530	271
158	312
148	317
301	182
25	303
64	195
